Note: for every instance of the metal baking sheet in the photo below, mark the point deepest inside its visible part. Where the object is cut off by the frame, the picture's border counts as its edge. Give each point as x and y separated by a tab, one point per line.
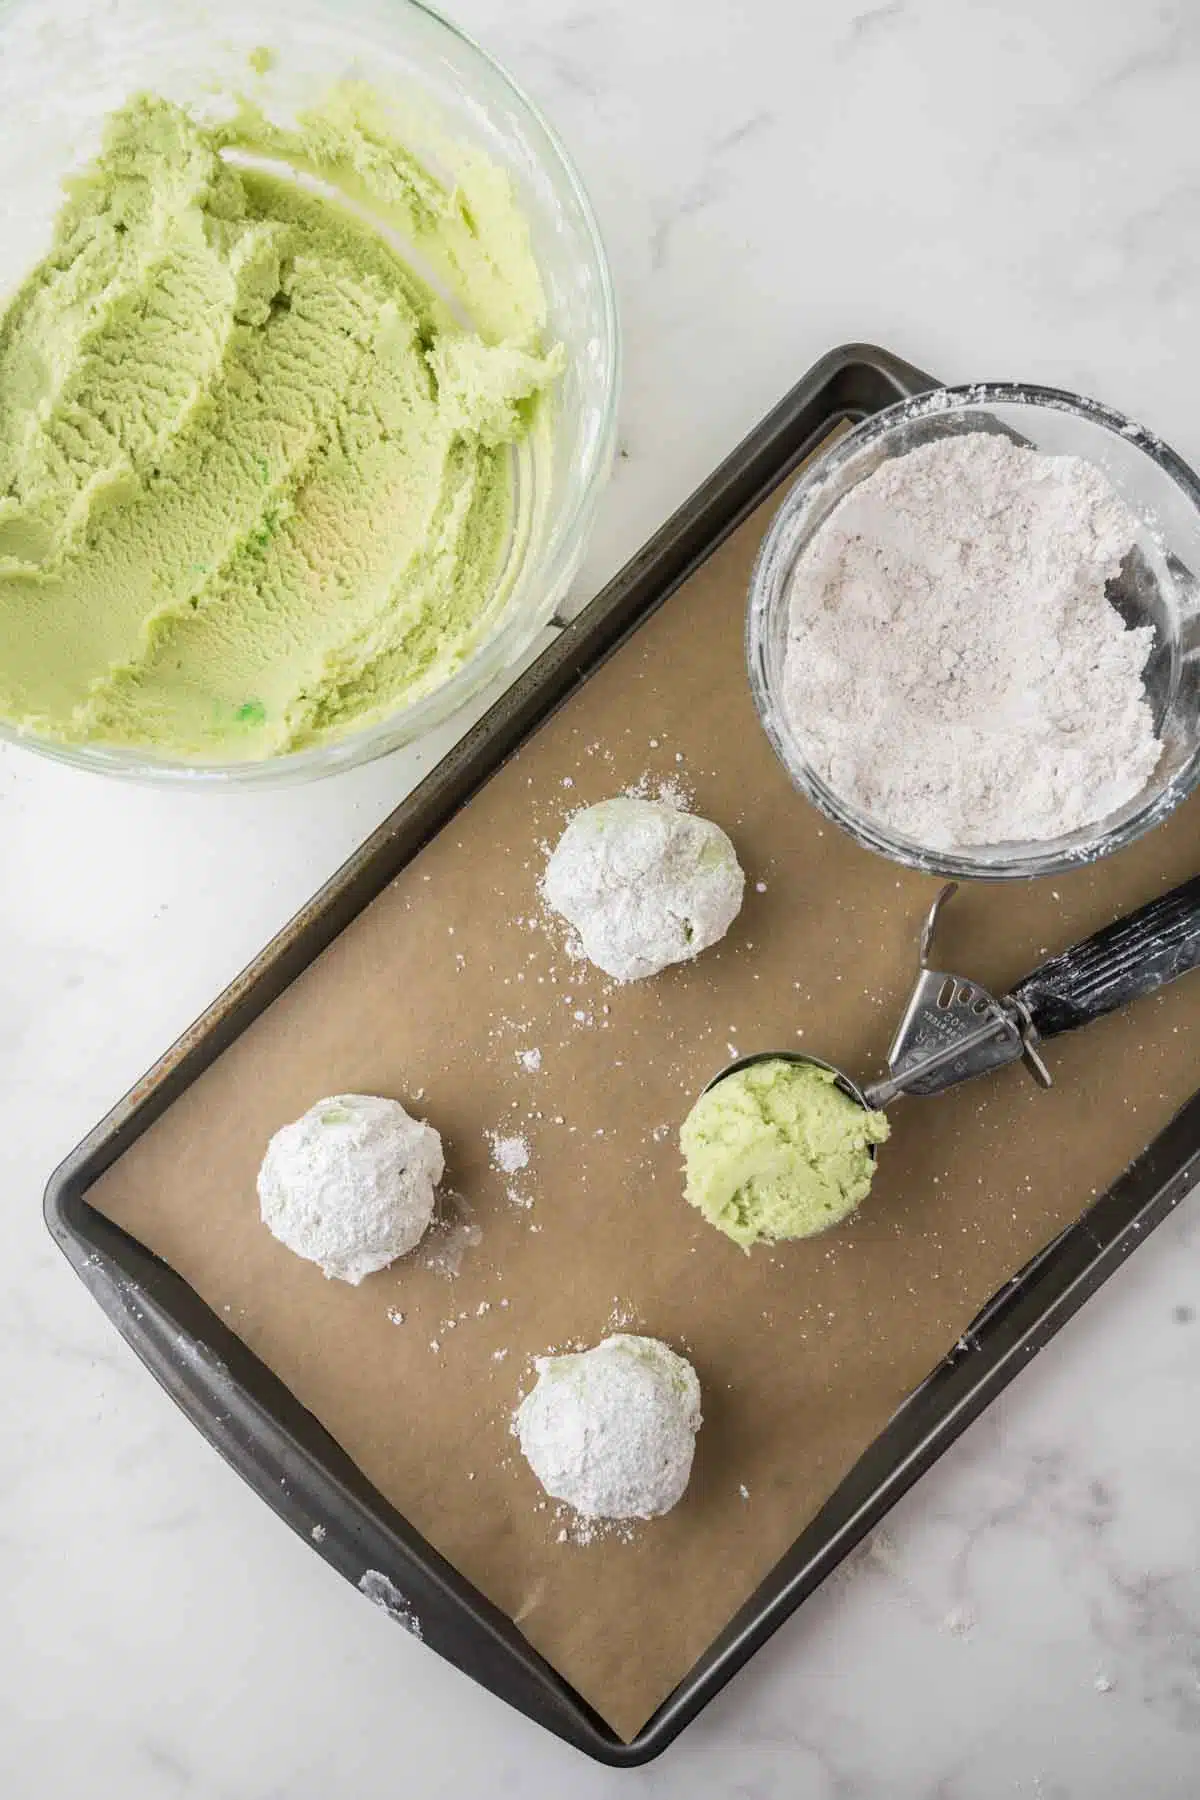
280	1447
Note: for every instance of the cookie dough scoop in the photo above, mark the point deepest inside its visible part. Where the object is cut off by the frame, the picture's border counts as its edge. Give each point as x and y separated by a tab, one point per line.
753	1160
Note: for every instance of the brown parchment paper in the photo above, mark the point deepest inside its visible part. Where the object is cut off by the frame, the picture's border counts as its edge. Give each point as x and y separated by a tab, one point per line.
803	1351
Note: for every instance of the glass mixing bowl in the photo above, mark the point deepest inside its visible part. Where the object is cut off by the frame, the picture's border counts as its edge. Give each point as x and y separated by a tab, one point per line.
1158	586
64	68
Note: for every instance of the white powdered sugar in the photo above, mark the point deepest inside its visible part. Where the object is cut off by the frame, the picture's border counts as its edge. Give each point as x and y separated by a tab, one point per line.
452	1232
668	790
509	1154
612	1430
350	1185
644	884
954	668
382	1592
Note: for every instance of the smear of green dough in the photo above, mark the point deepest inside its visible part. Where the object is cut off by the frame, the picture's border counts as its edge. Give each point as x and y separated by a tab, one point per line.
777	1150
254	472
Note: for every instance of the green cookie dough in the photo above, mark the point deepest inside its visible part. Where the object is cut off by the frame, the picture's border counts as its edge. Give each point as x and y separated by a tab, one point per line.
254	472
777	1150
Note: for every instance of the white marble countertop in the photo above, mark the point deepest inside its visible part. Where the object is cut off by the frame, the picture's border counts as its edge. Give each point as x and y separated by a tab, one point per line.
1007	190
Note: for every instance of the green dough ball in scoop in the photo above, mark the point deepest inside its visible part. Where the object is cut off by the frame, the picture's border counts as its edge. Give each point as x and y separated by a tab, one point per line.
777	1150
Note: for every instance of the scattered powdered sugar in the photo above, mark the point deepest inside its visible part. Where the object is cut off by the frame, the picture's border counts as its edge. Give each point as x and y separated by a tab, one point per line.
954	667
350	1184
621	1315
612	1430
386	1594
666	790
452	1233
509	1154
530	1060
318	1534
644	885
575	1528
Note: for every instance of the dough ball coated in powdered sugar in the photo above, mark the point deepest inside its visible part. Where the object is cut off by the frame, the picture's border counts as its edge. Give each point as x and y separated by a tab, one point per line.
612	1430
644	885
350	1184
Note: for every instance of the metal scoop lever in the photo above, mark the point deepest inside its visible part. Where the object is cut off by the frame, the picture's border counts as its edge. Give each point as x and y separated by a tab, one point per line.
953	1029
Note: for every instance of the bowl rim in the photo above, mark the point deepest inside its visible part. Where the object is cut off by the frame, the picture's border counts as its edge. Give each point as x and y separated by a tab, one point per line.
1027	861
499	650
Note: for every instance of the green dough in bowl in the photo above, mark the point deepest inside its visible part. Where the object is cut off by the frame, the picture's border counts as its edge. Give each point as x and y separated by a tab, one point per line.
777	1150
255	481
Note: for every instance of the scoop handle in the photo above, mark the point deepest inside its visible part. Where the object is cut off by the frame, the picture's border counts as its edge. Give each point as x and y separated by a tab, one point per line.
1136	955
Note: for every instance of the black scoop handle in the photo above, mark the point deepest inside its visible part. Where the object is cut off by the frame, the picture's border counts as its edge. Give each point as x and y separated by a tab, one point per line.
1154	945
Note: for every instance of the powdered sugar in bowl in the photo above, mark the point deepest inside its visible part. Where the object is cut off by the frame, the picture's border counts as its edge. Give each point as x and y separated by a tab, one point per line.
973	633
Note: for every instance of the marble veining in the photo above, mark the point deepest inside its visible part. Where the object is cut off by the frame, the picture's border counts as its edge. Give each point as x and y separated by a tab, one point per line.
991	191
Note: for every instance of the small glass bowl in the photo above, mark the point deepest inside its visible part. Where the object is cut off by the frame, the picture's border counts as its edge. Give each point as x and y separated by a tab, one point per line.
62	72
1164	593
